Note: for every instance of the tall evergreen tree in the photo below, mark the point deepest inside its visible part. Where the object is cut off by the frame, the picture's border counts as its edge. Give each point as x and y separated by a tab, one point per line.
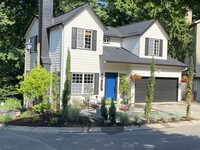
150	92
55	88
67	85
189	88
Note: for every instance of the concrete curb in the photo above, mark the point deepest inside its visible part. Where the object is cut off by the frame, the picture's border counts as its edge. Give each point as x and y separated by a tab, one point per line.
64	130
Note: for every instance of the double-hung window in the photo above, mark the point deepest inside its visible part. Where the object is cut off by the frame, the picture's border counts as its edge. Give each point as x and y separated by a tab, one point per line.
84	39
33	41
82	83
154	47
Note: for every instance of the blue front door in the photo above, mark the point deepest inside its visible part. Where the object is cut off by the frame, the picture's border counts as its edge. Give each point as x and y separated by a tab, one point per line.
111	79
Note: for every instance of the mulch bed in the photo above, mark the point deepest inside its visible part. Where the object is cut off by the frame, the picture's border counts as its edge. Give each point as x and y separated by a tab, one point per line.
45	119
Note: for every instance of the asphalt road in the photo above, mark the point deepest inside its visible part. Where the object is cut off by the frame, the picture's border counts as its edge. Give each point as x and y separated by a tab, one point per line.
184	138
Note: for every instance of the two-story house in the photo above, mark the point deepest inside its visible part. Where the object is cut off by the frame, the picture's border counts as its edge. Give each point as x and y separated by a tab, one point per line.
100	54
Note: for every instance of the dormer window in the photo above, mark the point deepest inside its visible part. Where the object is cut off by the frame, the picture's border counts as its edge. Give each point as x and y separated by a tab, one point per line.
153	47
106	40
84	39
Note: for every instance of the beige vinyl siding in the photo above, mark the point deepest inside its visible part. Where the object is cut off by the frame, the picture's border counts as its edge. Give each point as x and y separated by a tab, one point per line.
84	61
155	31
30	58
55	48
131	44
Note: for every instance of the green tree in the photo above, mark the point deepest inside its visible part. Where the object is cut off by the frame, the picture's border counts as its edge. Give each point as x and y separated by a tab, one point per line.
124	86
14	18
189	88
67	85
169	13
35	84
112	112
55	88
150	92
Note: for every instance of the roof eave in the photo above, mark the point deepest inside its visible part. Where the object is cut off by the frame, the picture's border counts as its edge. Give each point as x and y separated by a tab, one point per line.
145	63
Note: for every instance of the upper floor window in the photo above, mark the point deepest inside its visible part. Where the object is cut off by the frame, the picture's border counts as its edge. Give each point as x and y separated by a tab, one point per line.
153	47
33	41
84	39
106	40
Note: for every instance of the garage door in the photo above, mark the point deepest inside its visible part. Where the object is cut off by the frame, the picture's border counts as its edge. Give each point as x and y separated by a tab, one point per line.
166	90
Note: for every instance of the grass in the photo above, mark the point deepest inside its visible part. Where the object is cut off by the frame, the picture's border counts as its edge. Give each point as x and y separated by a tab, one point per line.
5	119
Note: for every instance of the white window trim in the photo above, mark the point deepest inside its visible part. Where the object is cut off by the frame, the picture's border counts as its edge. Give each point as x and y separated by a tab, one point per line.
107	41
153	47
79	29
82	84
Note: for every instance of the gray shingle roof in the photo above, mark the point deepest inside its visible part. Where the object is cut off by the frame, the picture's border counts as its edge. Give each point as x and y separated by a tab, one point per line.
121	55
133	29
68	15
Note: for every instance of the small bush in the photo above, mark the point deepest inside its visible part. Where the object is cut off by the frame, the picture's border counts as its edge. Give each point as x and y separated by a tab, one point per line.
5	119
108	101
53	121
42	107
138	117
104	112
165	117
73	114
177	117
112	112
11	104
124	118
156	116
36	118
125	101
76	103
26	114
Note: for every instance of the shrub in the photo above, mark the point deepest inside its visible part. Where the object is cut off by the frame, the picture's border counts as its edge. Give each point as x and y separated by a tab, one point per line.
76	103
124	118
112	112
138	117
125	101
108	101
42	107
5	119
36	118
53	121
11	104
156	116
177	117
73	114
26	114
165	117
104	112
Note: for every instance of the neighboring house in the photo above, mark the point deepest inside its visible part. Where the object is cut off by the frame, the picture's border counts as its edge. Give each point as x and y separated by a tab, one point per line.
195	25
100	55
196	46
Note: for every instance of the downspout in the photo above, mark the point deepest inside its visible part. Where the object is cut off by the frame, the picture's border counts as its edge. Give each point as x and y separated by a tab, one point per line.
62	58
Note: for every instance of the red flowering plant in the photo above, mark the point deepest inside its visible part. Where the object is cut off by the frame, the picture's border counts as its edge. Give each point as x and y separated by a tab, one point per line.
135	77
184	79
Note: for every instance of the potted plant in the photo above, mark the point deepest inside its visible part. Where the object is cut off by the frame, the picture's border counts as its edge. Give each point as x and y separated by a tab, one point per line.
135	77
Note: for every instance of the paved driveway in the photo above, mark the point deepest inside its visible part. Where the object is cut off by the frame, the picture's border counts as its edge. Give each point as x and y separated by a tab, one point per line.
171	108
180	108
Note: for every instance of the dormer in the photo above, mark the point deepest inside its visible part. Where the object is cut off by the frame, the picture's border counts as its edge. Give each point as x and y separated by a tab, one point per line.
144	39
